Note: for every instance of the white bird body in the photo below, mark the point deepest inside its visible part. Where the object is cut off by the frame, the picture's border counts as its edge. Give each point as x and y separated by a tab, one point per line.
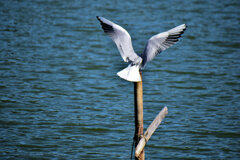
154	46
130	73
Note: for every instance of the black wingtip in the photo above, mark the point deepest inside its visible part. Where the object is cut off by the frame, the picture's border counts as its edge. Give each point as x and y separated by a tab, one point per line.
98	18
186	26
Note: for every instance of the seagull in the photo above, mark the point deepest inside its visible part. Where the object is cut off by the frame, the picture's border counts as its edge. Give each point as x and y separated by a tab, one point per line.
155	45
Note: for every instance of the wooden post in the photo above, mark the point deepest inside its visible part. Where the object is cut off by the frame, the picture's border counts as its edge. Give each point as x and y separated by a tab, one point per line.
138	108
156	122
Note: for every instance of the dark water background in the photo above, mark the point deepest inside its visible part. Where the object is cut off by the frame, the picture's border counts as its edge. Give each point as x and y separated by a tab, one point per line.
60	97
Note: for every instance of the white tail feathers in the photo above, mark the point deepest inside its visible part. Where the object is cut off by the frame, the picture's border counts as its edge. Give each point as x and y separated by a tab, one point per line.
131	73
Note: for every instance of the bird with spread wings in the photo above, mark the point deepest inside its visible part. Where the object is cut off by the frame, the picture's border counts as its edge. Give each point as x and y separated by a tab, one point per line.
155	45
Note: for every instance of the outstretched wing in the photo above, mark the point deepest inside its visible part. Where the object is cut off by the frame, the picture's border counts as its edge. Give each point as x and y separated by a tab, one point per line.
158	43
121	38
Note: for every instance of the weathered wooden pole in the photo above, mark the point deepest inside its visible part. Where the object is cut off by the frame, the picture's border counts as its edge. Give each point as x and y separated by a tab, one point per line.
156	122
138	108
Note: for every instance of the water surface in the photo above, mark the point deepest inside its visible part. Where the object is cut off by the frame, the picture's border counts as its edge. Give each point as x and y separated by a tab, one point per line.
60	97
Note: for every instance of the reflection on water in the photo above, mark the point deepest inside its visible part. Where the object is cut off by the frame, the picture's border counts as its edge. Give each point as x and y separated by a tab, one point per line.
60	96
